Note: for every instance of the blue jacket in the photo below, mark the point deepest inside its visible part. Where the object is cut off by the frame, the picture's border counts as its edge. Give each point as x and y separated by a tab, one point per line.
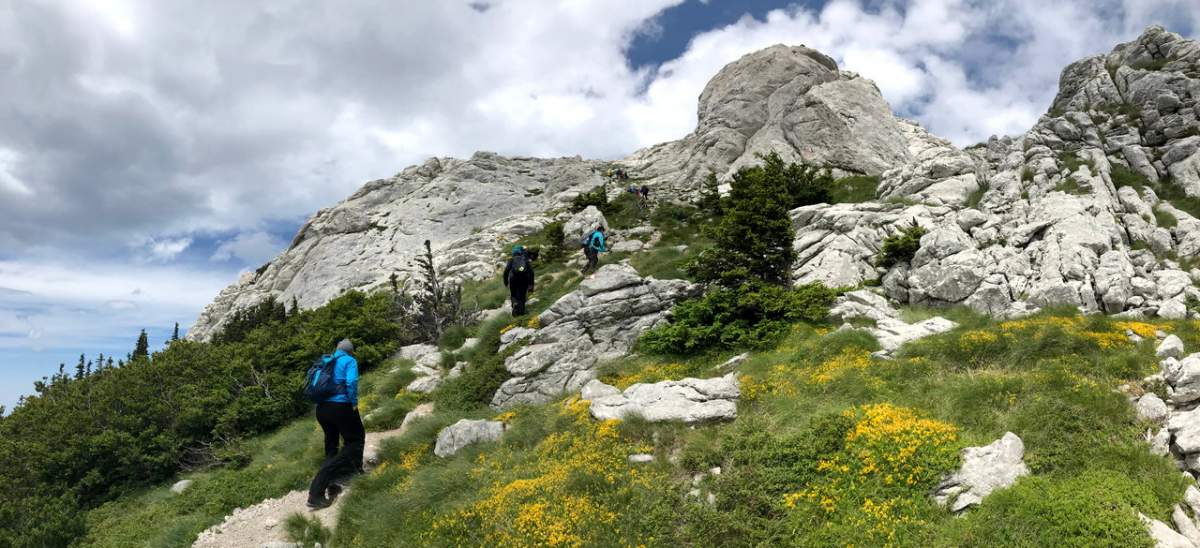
597	241
345	370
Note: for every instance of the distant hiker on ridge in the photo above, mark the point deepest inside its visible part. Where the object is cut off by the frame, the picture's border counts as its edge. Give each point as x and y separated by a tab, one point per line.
593	246
332	383
518	278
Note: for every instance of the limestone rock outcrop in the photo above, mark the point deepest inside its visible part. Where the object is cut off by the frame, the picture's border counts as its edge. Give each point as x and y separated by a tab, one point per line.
688	400
1053	217
457	436
468	209
599	321
792	100
984	469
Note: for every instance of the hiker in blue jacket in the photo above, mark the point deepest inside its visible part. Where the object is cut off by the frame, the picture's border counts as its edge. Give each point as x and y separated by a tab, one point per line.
593	247
338	417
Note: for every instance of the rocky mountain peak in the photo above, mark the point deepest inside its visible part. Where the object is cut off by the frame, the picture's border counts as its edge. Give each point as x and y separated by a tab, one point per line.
1091	207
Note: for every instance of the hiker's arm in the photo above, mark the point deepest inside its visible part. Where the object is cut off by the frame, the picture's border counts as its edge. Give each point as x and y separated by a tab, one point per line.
352	381
532	278
507	272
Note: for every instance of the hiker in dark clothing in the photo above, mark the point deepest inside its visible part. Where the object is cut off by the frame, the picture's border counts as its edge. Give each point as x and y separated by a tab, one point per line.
592	248
644	194
338	417
518	278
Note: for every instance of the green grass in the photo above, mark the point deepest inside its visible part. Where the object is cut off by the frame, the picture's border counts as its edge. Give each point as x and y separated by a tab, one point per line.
854	189
1070	186
281	462
795	473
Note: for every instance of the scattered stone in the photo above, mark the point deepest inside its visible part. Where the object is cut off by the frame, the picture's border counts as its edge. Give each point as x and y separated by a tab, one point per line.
581	224
862	304
508	338
424	384
984	469
688	400
627	246
1151	408
601	320
419	412
1163	535
180	486
465	432
641	458
733	362
1170	347
893	333
1160	442
595	389
1185	525
1183	378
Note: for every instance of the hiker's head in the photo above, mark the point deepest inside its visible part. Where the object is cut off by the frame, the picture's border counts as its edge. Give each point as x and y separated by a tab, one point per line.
346	346
518	249
600	228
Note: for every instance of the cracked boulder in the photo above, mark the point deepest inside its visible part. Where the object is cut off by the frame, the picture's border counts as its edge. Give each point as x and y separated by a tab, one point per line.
688	400
599	321
466	432
984	469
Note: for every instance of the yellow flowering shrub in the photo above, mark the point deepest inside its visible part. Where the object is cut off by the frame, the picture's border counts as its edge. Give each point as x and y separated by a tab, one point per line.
652	373
508	328
850	359
571	493
1142	329
534	323
877	485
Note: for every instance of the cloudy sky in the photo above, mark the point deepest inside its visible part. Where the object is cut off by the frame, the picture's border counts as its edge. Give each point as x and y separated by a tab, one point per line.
151	150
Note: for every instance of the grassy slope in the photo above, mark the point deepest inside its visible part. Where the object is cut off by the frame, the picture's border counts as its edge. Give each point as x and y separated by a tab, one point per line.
831	447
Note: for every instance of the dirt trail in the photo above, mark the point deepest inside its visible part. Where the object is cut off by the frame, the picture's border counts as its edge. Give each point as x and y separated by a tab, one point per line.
261	525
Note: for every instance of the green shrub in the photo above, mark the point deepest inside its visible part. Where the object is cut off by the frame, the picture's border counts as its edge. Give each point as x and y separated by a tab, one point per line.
596	197
976	196
752	315
306	531
1164	218
1123	176
854	189
1095	508
900	248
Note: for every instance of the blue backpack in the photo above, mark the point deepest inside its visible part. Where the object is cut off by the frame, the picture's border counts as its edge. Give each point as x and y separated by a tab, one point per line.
319	384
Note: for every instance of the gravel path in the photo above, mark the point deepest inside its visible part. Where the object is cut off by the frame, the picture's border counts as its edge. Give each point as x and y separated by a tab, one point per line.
261	525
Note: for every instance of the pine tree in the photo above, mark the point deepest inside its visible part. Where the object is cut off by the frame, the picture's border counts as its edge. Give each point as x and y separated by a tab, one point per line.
79	367
87	370
710	195
295	307
142	350
109	364
175	334
753	239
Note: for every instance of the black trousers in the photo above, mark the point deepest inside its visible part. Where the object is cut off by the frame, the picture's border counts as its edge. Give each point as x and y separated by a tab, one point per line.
338	420
519	293
593	257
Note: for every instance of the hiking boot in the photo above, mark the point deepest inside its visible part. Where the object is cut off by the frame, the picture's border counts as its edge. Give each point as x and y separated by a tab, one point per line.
319	502
333	491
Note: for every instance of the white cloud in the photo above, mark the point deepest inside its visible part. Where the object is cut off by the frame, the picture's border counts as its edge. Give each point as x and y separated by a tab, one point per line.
167	249
249	247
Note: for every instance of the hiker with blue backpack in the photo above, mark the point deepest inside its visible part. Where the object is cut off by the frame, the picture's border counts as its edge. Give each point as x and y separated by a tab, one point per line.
518	278
332	383
593	246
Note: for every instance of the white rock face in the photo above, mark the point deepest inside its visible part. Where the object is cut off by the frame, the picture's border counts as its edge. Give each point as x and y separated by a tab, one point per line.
599	321
1170	347
984	469
1041	234
687	400
1151	408
1016	224
893	333
455	437
1163	535
180	486
789	100
469	209
581	224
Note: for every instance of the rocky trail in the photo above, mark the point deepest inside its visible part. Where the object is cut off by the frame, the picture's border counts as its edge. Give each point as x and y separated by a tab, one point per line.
262	525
